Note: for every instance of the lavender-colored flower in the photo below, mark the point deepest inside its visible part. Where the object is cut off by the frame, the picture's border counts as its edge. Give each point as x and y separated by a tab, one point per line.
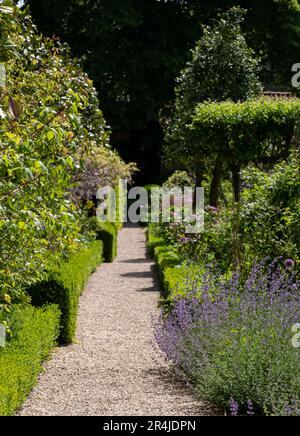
234	407
217	326
289	264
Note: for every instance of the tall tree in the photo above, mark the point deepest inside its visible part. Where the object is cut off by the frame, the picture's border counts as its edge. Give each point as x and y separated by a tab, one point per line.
271	28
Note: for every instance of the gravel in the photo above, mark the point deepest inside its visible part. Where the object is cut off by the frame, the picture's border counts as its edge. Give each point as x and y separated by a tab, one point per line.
113	368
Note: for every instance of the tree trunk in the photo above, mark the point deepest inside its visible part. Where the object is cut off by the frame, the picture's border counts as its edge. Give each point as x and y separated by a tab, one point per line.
236	181
215	183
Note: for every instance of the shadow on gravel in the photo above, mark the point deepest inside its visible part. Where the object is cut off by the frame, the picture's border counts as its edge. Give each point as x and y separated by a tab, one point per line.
151	289
152	273
138	274
143	260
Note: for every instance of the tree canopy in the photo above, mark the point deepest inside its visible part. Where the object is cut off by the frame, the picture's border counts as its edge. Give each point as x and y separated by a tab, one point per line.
238	133
135	49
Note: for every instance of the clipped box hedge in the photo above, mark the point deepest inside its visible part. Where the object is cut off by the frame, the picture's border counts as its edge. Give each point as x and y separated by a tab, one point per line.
65	282
35	332
167	261
108	234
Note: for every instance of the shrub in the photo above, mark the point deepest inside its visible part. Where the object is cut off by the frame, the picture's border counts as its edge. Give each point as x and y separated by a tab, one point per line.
234	341
166	259
108	234
180	179
65	282
34	335
221	67
269	214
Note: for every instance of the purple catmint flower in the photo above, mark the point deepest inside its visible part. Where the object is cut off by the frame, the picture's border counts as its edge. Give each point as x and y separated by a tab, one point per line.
234	407
289	264
230	312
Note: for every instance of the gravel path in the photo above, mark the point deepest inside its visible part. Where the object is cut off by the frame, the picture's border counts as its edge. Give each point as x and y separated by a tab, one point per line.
113	369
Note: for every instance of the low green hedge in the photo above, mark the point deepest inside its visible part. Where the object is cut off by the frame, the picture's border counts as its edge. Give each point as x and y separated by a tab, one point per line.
168	262
154	240
178	279
65	282
108	234
35	332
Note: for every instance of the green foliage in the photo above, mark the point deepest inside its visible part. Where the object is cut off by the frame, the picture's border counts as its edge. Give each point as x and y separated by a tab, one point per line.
236	133
252	130
121	204
180	179
167	260
8	26
177	277
107	233
65	282
154	239
271	28
133	53
222	66
269	214
34	335
50	130
129	51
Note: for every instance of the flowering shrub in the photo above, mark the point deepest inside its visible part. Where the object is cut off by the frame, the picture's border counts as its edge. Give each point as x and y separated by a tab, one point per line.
234	341
213	245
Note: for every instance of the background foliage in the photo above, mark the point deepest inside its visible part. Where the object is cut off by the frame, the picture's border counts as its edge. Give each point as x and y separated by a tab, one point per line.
133	52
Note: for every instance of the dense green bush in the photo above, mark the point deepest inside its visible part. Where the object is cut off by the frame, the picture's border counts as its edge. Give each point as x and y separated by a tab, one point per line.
179	179
269	213
65	282
35	332
219	124
120	205
177	277
153	238
256	130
